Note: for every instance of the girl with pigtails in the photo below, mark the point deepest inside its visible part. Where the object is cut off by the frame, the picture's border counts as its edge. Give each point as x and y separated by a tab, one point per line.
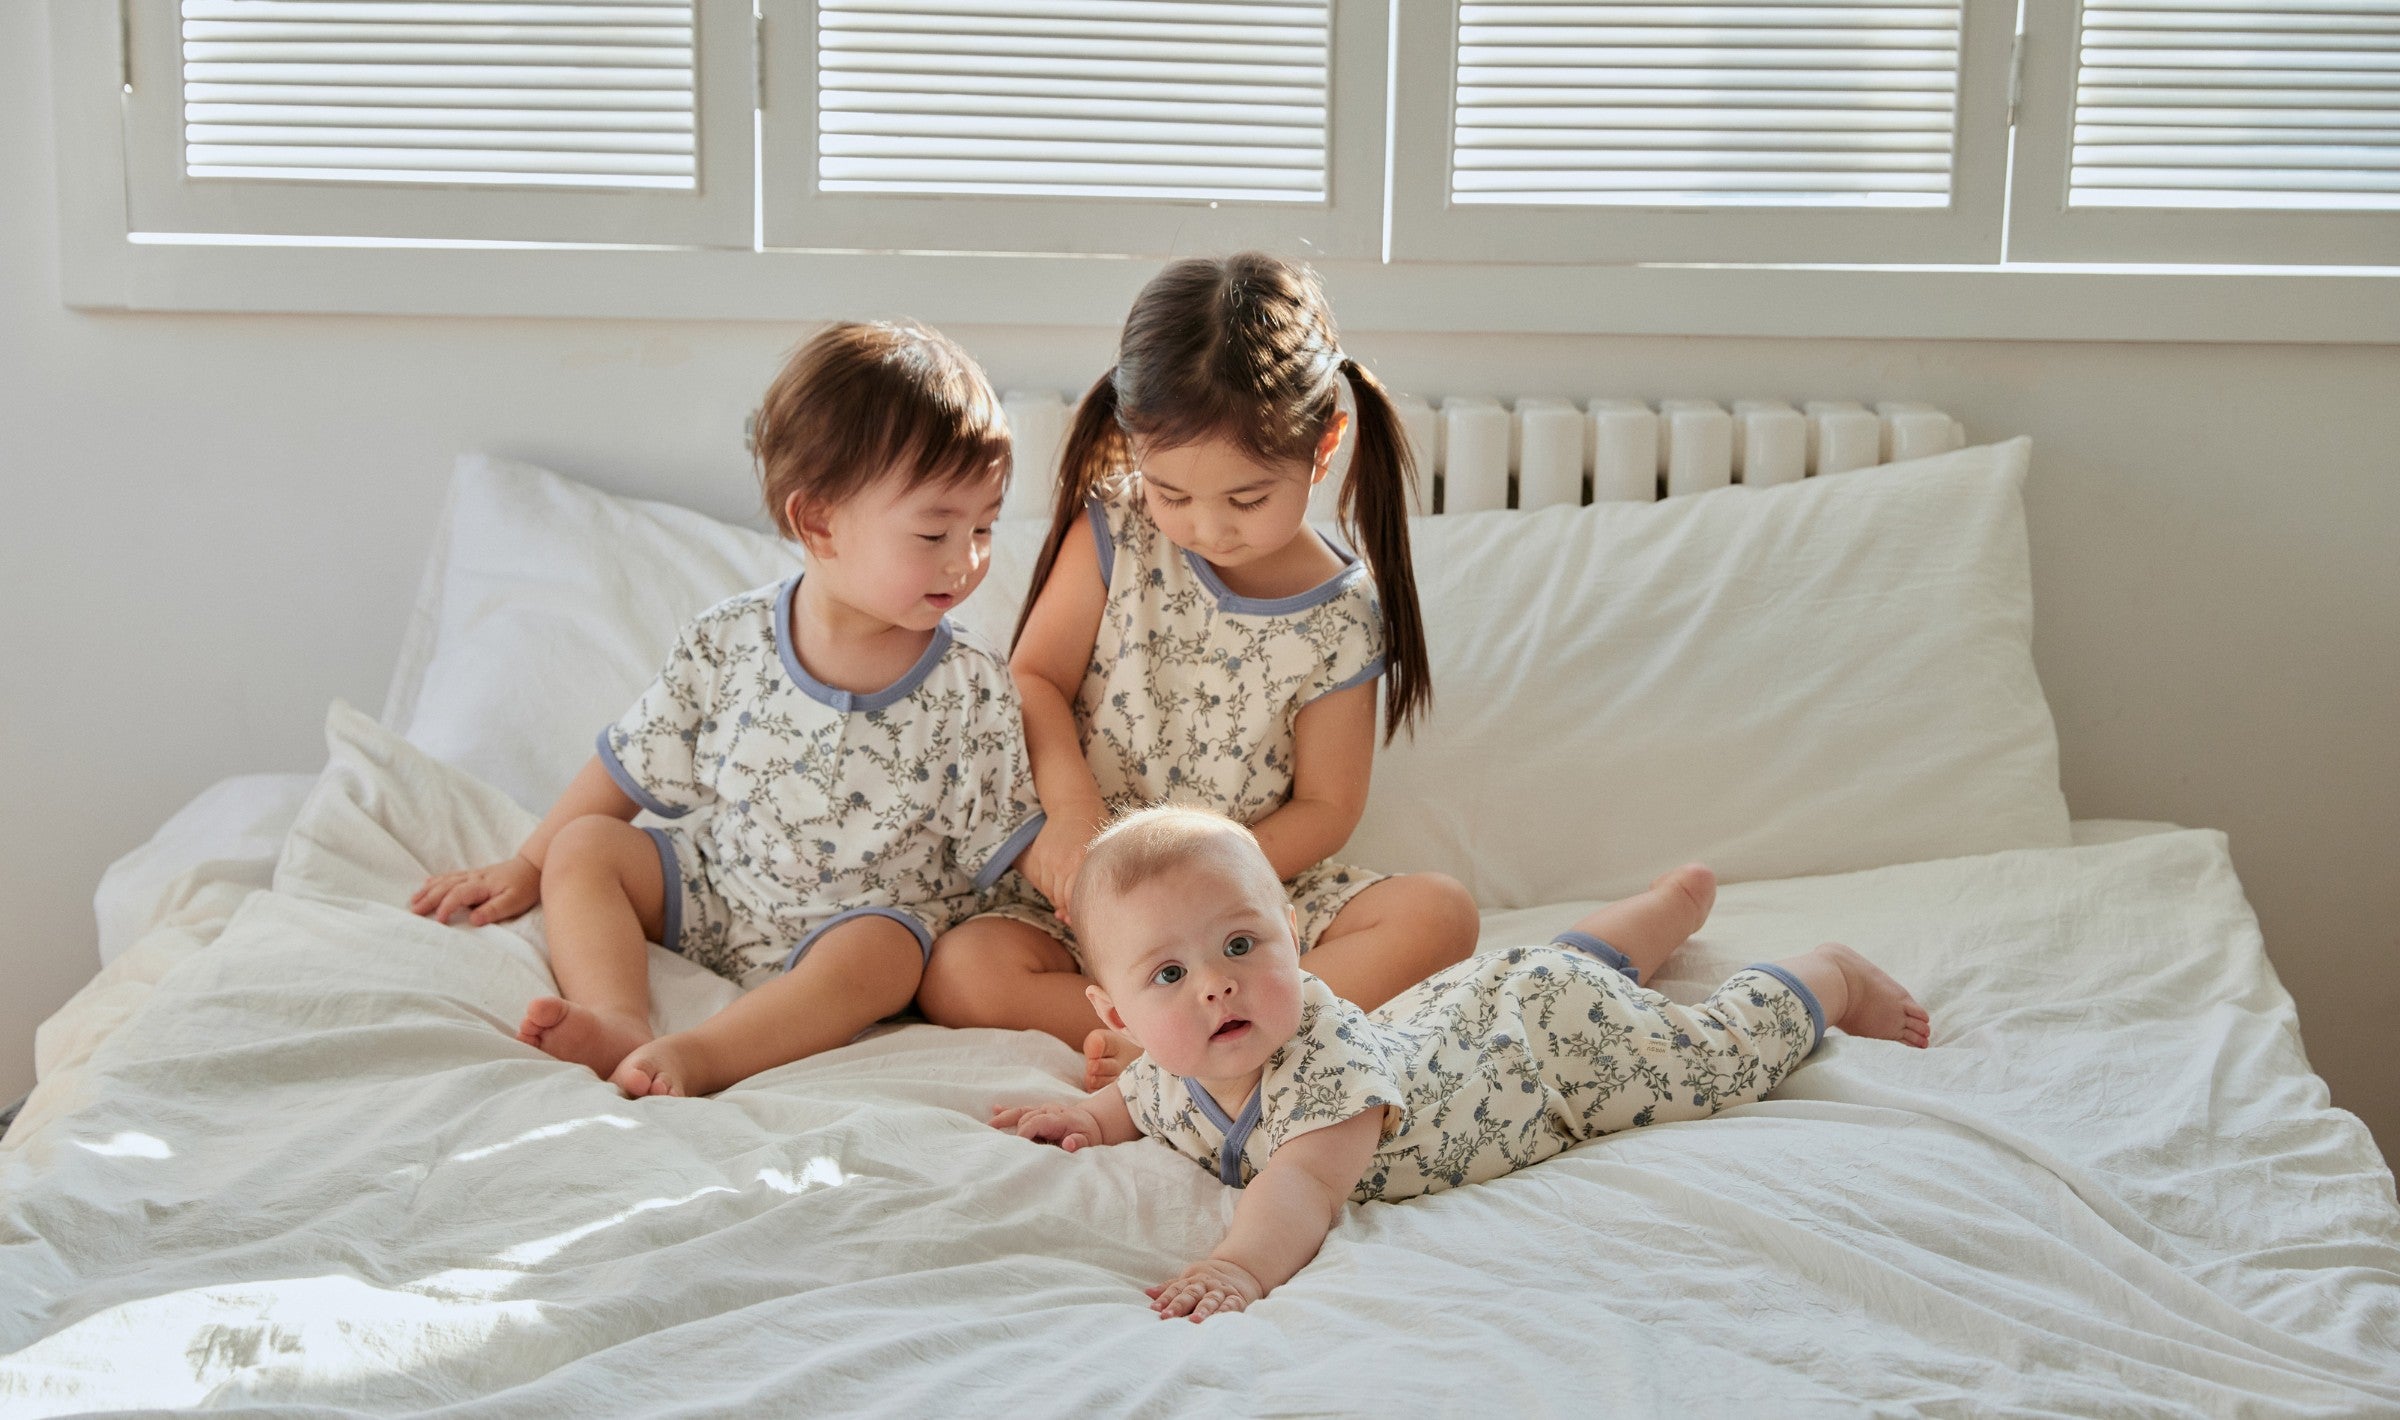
1191	638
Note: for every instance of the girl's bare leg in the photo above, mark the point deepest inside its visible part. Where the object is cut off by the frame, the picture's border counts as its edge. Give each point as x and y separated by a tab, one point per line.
1649	927
854	975
1004	974
1392	935
603	898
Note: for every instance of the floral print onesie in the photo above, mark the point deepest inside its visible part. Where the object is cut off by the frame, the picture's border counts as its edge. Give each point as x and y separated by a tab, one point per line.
1496	1063
1193	690
823	804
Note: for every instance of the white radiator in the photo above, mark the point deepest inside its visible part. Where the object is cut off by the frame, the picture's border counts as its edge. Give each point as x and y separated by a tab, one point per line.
1475	454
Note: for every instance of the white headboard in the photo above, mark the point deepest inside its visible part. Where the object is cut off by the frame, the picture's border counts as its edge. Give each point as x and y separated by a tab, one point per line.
1475	454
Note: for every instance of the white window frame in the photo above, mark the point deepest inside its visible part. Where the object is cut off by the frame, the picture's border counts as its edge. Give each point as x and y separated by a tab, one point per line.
2042	227
1349	223
1427	226
715	212
108	263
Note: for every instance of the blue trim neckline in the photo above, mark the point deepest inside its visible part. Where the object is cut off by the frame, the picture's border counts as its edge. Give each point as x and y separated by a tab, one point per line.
788	649
1236	1131
1230	600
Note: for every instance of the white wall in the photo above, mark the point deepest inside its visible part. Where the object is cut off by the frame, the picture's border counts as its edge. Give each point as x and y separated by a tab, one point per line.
212	525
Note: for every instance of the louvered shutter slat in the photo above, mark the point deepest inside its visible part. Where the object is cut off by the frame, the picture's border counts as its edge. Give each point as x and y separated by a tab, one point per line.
2239	106
588	95
1074	99
1706	104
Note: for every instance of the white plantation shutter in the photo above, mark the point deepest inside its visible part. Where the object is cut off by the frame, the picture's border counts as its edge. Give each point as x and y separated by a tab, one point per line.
2212	130
1068	99
1860	131
1075	125
1712	105
567	120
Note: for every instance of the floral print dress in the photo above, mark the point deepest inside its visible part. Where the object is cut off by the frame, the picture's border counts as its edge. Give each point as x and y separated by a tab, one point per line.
1193	690
819	804
1496	1063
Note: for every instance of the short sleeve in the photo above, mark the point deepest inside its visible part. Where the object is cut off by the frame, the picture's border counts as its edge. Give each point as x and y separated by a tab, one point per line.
1104	537
1339	1066
653	750
998	813
1348	634
1143	1084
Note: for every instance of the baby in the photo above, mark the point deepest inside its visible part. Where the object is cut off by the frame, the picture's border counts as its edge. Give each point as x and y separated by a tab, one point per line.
1262	1076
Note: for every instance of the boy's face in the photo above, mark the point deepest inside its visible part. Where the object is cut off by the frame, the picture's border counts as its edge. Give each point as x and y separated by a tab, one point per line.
907	555
1198	965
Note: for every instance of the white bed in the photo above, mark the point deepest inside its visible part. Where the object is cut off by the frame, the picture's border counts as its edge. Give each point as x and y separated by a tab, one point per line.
284	1152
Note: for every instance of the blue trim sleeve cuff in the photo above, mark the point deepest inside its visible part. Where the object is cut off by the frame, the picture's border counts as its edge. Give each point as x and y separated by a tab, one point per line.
1015	844
1104	542
633	787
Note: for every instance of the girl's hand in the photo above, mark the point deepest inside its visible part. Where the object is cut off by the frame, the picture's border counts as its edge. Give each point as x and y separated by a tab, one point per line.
1203	1289
496	892
1070	1127
1055	855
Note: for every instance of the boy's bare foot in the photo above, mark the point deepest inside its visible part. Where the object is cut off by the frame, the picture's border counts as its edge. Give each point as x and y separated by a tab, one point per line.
1105	1056
1879	1007
596	1040
1696	884
669	1065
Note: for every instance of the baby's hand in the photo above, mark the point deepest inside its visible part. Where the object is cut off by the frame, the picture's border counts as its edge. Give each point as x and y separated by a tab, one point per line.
1203	1289
1069	1126
495	892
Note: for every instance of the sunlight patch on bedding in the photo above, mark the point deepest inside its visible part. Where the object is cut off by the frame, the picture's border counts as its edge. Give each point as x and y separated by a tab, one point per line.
543	1249
547	1131
819	1172
246	1340
130	1145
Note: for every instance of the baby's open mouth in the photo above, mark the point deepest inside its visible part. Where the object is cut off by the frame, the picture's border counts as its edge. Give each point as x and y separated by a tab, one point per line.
1230	1029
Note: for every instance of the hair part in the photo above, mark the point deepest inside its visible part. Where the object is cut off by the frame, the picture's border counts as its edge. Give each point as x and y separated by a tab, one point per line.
862	401
1243	348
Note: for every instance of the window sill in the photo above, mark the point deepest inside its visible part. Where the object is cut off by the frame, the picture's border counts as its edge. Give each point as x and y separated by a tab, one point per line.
2346	305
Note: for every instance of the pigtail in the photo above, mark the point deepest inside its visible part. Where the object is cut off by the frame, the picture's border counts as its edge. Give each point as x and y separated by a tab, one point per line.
1095	449
1374	507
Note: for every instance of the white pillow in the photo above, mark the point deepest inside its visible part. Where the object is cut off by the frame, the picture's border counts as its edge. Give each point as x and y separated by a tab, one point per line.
547	606
1811	678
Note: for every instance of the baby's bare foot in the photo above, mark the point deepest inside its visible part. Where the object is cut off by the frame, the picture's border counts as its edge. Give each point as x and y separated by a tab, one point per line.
1695	884
1105	1056
593	1039
669	1065
1880	1008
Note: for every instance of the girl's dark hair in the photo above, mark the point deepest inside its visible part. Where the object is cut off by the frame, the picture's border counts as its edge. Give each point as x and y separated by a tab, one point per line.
1243	349
861	400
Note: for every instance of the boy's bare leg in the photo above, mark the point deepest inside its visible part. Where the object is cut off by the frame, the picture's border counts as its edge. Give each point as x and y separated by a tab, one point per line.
854	975
1860	998
1392	935
1004	974
1649	927
603	898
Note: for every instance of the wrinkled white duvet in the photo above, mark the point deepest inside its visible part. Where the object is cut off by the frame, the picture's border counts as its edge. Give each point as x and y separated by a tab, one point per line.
285	1152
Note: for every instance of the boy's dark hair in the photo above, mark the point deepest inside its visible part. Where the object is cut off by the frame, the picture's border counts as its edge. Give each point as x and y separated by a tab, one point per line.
861	400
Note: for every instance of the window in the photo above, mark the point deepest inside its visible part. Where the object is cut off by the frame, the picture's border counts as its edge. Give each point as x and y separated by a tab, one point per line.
1869	166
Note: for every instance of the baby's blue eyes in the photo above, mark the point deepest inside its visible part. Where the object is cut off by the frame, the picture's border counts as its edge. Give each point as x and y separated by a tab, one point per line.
1239	944
1167	975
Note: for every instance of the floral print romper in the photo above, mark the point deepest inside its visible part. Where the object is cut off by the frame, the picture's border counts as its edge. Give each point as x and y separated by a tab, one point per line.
1193	691
1488	1066
823	804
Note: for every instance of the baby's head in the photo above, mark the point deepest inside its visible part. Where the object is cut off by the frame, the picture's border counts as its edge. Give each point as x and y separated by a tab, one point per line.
882	450
1191	939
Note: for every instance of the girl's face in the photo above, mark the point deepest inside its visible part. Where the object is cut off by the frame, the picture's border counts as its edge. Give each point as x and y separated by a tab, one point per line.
1211	498
1200	967
904	554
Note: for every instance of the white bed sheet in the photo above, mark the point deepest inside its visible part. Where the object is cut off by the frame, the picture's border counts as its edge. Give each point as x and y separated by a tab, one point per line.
284	1152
